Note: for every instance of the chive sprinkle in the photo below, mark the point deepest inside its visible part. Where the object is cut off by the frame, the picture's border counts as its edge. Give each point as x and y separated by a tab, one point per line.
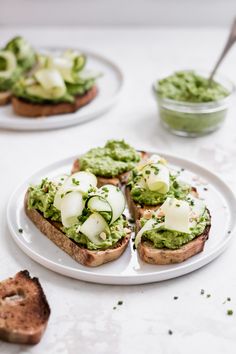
20	231
230	312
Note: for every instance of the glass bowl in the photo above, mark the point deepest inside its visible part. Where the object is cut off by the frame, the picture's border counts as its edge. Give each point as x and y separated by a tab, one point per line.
194	119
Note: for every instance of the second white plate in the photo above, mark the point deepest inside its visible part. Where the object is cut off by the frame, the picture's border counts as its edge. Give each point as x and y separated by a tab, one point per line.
109	85
128	269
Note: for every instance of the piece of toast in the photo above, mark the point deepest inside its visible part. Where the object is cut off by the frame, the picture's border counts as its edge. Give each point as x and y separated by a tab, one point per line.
137	211
37	110
24	310
162	256
117	181
5	97
80	254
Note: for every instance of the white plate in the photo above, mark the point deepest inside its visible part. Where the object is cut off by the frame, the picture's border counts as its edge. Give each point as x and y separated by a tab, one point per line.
128	269
109	85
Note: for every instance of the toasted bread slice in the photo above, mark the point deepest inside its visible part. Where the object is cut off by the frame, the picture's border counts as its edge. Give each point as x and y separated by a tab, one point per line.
116	181
161	256
80	254
34	110
137	211
24	310
5	97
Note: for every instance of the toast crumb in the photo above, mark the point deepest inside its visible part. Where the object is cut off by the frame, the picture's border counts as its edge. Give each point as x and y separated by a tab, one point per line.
5	97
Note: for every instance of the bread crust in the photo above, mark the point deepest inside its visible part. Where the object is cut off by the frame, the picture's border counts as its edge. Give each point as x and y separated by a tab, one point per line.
5	97
24	310
163	256
117	181
79	254
37	110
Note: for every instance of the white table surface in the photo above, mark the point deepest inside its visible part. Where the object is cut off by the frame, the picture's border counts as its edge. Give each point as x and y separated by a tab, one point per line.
82	316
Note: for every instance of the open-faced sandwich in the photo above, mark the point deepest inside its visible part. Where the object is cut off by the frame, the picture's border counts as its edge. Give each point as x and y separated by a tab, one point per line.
16	59
60	84
81	219
151	183
176	231
111	163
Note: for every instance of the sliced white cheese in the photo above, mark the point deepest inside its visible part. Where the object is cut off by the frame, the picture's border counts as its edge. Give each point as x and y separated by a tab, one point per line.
64	66
197	206
116	200
149	225
157	178
93	227
79	181
72	206
177	215
97	203
51	81
142	183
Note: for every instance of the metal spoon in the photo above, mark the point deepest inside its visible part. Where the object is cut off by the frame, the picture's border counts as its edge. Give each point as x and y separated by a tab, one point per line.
230	41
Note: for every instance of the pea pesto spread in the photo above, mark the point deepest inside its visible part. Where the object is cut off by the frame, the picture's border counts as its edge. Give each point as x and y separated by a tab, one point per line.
162	238
114	158
188	86
41	198
144	196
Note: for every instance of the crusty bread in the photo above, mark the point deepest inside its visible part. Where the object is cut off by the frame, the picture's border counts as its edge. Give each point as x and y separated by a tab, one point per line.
34	110
80	254
137	211
5	97
116	181
152	255
24	310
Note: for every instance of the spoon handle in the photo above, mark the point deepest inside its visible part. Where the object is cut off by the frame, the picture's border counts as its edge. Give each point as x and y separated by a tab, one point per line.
230	41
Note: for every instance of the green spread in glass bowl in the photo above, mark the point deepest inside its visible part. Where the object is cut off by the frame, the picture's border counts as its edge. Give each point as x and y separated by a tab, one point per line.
189	106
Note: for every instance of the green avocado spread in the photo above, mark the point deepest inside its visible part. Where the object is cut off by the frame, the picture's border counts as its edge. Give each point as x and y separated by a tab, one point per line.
162	238
188	86
111	160
145	196
41	197
117	232
24	56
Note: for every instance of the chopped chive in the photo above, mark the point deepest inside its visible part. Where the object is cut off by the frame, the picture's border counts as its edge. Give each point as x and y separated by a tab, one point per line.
120	303
170	332
202	292
20	231
175	297
230	312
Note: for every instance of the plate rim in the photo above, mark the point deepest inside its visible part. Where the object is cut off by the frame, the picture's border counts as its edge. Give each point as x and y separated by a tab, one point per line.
20	123
121	279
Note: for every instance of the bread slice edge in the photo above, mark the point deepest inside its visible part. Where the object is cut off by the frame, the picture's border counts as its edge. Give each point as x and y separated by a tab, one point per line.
82	255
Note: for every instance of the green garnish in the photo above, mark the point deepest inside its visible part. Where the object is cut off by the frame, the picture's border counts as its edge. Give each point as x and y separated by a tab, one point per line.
230	312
